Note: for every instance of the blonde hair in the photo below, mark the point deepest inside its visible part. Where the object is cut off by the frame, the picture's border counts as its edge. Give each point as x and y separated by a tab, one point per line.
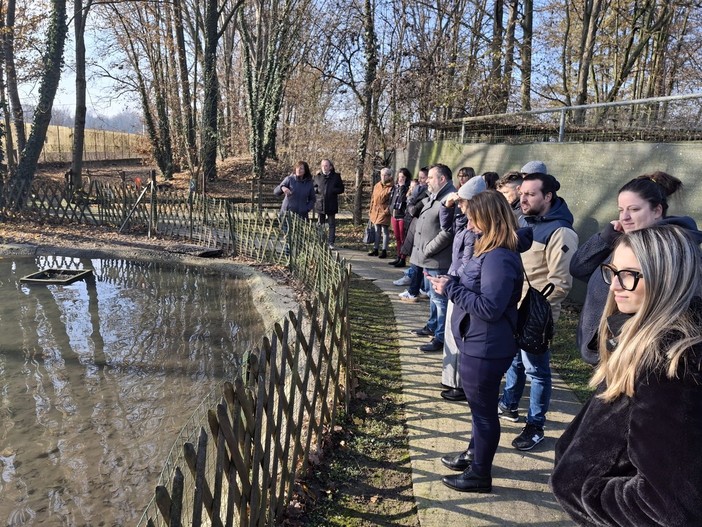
490	212
660	333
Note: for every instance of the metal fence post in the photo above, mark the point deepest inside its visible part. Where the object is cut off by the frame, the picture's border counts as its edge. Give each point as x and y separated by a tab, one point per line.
561	127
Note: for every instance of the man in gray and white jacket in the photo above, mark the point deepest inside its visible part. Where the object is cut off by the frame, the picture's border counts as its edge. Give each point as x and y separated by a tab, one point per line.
432	251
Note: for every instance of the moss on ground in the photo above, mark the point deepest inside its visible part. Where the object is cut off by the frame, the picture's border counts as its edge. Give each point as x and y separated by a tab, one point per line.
364	478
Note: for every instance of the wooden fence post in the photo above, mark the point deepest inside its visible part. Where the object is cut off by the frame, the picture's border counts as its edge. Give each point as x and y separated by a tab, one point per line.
153	224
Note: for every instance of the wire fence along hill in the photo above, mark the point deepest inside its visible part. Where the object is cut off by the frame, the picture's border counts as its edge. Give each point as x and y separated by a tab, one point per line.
100	145
659	119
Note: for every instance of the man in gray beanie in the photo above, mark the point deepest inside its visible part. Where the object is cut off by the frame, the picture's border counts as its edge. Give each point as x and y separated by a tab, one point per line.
546	262
534	167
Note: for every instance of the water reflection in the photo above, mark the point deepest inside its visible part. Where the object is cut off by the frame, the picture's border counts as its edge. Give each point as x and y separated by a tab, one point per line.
97	377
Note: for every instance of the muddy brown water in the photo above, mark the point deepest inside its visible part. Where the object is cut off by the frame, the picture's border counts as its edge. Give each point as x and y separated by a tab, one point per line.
97	378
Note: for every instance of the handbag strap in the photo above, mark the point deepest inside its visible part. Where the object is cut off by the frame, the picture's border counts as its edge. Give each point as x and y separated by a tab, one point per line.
548	288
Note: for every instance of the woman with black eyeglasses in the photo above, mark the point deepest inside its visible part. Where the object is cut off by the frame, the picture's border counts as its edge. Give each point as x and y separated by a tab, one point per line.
642	202
632	454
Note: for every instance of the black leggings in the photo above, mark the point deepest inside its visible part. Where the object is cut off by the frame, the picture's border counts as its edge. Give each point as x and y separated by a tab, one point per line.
481	379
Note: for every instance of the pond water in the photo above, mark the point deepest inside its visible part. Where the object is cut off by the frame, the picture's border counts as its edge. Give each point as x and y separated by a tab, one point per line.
97	378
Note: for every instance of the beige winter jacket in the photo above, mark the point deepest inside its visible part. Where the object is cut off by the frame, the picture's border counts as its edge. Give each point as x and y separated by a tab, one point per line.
550	262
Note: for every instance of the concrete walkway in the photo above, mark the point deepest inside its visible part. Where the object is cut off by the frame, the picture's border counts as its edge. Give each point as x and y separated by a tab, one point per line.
521	495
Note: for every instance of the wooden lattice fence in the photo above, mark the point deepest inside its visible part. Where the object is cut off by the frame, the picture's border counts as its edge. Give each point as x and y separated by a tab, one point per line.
242	469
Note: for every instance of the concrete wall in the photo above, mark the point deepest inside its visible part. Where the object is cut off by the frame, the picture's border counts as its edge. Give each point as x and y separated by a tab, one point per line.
590	173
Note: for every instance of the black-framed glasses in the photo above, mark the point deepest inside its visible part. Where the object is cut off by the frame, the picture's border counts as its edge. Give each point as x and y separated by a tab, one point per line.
628	279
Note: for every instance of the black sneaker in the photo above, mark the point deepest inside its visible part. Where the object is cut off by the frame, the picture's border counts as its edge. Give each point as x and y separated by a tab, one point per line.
531	436
505	413
422	332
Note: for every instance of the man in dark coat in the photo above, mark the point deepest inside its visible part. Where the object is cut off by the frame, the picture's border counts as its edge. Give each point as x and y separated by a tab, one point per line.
327	187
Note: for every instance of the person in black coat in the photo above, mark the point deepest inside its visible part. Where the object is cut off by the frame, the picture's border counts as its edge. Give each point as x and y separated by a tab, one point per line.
485	298
631	457
327	187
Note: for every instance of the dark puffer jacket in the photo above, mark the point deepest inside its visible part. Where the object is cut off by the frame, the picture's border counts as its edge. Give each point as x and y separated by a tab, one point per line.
485	298
301	201
585	267
636	461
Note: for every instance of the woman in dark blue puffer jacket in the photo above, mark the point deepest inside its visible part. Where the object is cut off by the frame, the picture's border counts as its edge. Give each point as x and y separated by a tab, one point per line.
485	298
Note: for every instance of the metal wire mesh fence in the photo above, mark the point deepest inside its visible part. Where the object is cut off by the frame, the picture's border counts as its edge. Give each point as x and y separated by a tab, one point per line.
99	145
660	119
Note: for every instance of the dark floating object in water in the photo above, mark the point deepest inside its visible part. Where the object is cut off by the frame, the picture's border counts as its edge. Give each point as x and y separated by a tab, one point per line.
57	276
195	250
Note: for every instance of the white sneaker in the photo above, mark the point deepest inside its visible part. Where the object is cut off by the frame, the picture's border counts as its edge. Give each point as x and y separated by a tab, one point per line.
424	293
331	246
406	297
405	280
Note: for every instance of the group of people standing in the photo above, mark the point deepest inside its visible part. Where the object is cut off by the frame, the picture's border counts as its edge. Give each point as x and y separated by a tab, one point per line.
630	456
302	193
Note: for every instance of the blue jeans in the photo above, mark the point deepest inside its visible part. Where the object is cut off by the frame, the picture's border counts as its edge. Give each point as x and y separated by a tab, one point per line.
538	369
416	277
437	308
381	230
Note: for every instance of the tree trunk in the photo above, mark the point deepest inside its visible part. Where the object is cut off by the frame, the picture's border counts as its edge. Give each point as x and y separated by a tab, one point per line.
211	94
6	133
186	97
495	78
12	88
527	29
370	54
510	42
593	8
80	13
53	59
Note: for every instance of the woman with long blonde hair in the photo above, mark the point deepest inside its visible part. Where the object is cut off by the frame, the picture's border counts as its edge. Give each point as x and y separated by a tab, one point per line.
485	296
631	456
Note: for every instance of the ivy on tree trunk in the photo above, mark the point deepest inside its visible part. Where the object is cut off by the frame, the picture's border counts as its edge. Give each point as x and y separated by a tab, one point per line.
50	77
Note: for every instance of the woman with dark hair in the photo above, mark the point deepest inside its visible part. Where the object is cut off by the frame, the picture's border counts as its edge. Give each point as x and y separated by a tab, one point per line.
490	180
642	202
485	298
398	207
631	456
298	190
465	174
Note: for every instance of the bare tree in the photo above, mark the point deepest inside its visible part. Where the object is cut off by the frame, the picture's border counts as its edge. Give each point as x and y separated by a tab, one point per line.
12	88
214	13
269	38
80	14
